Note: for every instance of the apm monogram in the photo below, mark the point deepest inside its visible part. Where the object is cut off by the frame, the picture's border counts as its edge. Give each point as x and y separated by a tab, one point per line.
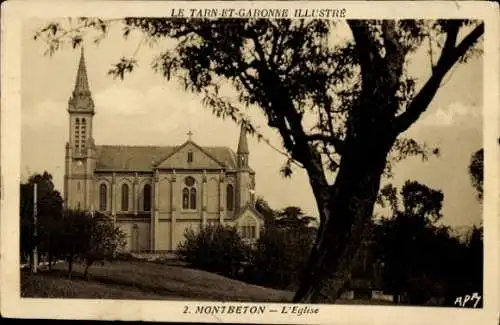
472	300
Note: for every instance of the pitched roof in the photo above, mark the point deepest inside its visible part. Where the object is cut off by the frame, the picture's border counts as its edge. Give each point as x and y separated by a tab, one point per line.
251	208
144	158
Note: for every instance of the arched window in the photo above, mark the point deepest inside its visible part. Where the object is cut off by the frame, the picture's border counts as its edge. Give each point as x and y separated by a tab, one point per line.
77	133
146	197
243	161
193	199
124	197
229	197
103	196
189	194
185	198
190	157
83	131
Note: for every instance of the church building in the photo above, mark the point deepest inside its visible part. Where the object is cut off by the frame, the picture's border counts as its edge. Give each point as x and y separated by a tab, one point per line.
155	193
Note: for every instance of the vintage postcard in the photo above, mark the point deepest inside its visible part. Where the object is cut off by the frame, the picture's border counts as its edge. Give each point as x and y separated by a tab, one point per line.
251	162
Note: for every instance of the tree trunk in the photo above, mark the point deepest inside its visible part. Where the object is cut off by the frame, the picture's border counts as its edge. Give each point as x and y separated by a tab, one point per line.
350	208
70	267
86	271
50	257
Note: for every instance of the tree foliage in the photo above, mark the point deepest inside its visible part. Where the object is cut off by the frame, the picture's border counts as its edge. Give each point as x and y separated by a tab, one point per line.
215	248
413	199
283	247
49	209
265	210
71	235
357	90
476	167
89	238
101	240
422	259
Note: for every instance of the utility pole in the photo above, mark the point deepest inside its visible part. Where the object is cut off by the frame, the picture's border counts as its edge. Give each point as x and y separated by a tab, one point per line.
35	231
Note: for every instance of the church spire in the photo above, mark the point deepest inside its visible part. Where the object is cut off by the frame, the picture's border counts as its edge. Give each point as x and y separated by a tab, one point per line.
82	83
81	99
243	144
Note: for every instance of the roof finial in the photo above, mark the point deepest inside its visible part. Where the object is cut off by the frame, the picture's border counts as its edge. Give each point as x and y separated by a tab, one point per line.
189	134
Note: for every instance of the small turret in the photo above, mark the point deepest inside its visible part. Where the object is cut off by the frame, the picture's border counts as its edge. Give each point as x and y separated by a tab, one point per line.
243	143
243	151
243	173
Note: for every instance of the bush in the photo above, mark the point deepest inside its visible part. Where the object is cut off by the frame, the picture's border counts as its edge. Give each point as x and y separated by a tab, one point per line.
102	241
280	256
215	248
89	238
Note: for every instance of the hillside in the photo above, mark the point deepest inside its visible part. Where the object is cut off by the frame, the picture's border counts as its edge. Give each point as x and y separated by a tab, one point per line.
144	280
140	280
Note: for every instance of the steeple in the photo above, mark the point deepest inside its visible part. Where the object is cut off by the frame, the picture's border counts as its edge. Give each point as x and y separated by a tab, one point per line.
243	144
80	160
81	99
81	111
82	83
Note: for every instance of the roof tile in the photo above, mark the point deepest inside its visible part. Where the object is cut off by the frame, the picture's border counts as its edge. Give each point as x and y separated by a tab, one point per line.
144	158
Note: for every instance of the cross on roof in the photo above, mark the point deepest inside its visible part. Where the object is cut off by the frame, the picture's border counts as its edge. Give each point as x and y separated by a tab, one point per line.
190	134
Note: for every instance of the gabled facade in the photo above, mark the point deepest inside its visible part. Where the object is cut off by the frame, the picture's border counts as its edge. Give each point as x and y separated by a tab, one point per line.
155	193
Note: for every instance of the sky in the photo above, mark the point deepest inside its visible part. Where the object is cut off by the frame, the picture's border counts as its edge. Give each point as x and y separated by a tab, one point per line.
145	109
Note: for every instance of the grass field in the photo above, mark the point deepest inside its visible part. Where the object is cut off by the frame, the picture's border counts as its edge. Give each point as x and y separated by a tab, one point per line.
140	280
143	280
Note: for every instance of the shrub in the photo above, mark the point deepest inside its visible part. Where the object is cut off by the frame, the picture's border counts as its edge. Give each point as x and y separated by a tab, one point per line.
102	242
280	256
89	238
215	248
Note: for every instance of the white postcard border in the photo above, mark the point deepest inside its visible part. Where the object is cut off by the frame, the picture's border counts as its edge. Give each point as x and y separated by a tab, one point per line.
14	306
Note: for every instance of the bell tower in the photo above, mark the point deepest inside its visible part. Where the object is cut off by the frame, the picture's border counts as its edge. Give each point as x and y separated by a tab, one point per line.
80	148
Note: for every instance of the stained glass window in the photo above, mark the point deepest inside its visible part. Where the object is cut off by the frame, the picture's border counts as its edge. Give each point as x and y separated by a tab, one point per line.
189	194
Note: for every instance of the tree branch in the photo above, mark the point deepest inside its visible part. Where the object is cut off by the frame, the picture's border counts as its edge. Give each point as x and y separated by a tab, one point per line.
65	32
395	54
294	132
469	41
276	43
260	50
367	53
336	142
451	36
431	54
449	57
295	59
